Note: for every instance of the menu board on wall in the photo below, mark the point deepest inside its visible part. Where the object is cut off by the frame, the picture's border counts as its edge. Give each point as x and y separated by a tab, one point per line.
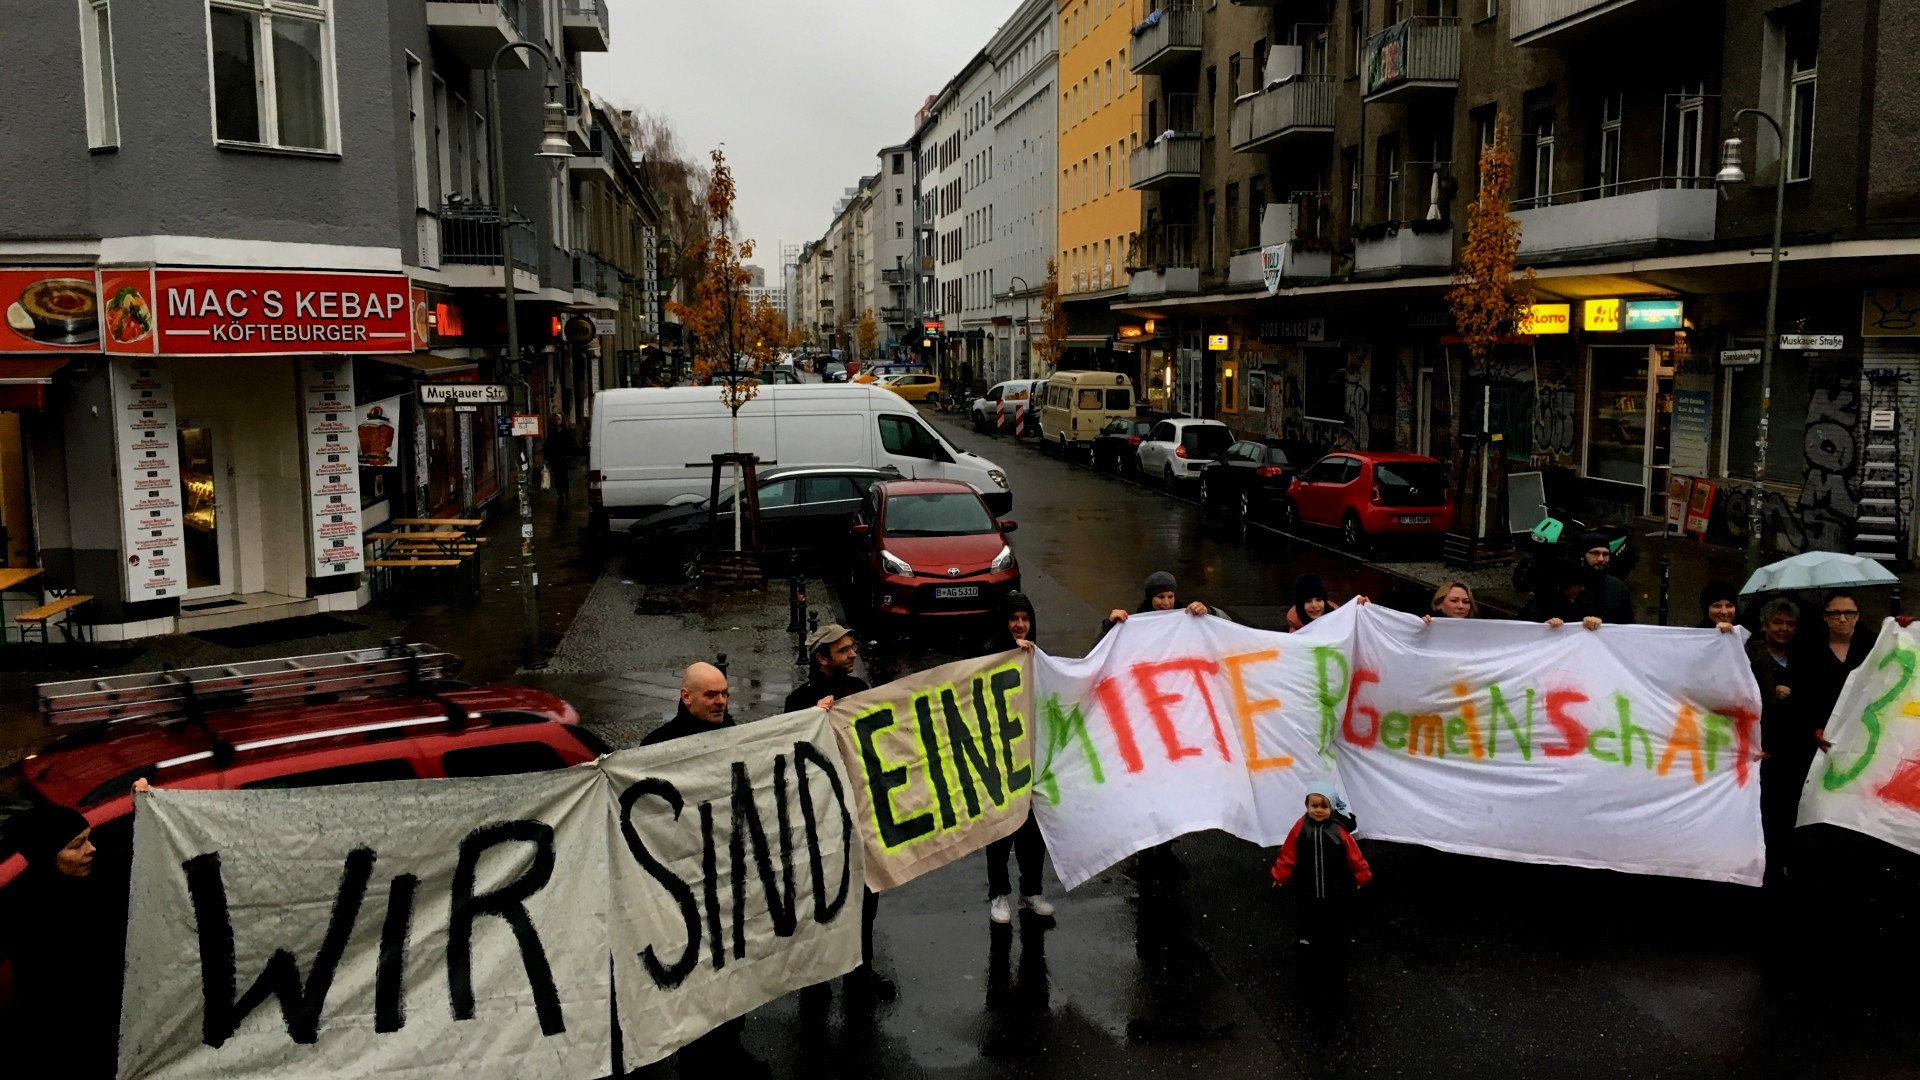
147	453
332	465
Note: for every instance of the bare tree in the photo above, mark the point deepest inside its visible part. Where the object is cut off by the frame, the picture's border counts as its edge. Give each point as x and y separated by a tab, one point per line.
681	182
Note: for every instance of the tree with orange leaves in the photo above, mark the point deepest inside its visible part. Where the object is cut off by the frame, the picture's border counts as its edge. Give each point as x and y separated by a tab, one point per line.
719	320
867	334
1053	319
1487	302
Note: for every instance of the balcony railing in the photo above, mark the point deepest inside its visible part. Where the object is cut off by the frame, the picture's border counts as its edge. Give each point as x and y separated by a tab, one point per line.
1548	22
1167	245
594	275
1637	214
470	236
585	22
897	276
1165	37
1170	144
1414	54
1302	105
1416	191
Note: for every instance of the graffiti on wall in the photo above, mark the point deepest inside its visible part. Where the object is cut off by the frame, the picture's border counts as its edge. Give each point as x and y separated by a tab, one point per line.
1286	412
1828	507
1554	425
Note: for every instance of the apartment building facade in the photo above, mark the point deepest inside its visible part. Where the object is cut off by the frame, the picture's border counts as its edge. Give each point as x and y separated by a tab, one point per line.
271	250
1021	192
1325	180
1099	117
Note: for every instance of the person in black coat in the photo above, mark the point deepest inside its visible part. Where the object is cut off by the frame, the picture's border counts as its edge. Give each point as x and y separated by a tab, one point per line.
1828	658
832	652
1560	597
1719	605
1161	593
1025	842
68	940
1786	739
1606	595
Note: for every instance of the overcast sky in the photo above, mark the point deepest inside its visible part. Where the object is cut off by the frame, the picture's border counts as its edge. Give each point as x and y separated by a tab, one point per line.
802	92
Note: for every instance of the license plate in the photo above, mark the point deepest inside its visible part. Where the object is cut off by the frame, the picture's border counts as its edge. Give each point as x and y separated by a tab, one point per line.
1406	519
955	592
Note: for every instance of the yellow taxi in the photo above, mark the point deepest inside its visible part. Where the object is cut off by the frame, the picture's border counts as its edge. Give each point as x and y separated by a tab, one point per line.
874	371
914	386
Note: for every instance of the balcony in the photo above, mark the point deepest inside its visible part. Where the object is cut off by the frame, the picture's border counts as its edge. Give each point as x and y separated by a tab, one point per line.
596	163
1403	247
1560	23
470	247
1303	105
1411	57
476	29
1640	214
596	284
1165	38
1298	227
585	23
1163	263
579	111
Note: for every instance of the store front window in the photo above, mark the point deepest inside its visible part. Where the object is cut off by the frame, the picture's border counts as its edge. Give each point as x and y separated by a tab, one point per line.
1786	420
1630	418
443	459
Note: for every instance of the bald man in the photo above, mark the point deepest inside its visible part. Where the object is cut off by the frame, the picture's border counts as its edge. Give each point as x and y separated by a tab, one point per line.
703	705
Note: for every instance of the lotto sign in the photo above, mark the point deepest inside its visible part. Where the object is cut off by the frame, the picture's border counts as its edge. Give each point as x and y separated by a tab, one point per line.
1548	319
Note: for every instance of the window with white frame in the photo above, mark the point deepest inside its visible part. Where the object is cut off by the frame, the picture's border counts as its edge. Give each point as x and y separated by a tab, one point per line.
272	72
1690	110
96	58
1610	110
1543	157
442	140
482	159
417	132
1803	52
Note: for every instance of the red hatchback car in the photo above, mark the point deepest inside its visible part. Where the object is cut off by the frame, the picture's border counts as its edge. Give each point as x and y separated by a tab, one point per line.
931	547
1366	494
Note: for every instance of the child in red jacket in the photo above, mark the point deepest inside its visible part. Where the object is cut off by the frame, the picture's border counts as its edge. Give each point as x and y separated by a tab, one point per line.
1322	867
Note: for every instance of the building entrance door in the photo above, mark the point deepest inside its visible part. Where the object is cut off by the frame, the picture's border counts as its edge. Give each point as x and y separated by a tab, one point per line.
206	482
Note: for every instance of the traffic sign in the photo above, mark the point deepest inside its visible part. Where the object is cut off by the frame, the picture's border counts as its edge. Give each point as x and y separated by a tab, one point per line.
464	394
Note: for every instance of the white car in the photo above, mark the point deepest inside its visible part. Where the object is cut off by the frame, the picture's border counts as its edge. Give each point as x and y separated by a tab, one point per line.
1003	406
1176	451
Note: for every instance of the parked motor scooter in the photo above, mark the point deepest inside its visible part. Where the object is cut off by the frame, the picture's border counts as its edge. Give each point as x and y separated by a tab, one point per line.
1557	536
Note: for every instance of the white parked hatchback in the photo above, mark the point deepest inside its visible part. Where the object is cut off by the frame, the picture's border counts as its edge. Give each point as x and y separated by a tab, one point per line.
1176	451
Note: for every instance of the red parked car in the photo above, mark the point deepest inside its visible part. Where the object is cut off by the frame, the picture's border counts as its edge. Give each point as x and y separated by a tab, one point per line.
485	731
931	547
1366	494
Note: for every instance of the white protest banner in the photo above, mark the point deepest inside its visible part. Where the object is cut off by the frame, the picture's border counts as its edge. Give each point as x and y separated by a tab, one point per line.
435	927
1630	748
1175	724
736	876
419	928
1870	781
944	760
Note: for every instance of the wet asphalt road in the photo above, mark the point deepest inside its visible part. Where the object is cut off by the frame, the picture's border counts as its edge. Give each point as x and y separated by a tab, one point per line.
1460	967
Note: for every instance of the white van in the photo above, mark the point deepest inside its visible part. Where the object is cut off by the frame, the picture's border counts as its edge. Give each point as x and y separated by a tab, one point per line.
1075	405
652	448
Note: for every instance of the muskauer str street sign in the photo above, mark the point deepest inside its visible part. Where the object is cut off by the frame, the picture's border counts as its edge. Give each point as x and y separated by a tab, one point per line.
464	394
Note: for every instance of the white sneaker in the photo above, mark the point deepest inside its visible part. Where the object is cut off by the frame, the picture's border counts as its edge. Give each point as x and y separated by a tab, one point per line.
1038	905
1000	911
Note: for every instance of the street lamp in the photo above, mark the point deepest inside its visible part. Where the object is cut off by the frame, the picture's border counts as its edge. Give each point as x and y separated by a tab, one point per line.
552	145
1732	173
1026	317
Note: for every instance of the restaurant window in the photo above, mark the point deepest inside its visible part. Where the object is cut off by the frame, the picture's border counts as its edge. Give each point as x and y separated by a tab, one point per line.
273	74
96	58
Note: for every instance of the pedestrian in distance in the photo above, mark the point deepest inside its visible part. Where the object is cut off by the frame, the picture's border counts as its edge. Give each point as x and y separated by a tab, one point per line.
561	451
68	937
1025	842
1719	606
704	695
1309	601
1321	865
1161	593
832	652
1452	600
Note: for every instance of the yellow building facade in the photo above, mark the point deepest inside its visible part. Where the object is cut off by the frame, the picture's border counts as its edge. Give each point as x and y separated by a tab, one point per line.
1099	128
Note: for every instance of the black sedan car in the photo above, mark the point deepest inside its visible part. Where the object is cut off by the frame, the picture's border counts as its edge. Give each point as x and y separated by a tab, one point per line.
1250	477
1114	447
804	513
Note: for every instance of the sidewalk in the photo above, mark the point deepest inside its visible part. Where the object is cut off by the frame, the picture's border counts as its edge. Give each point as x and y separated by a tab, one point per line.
487	630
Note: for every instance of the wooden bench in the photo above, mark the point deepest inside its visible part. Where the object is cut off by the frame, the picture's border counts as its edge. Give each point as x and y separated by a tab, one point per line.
388	564
39	618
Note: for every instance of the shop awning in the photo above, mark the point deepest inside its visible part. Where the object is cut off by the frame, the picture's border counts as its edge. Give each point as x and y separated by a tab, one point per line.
24	381
428	364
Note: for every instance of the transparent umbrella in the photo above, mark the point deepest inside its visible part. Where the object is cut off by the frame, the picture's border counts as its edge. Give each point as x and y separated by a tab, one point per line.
1819	570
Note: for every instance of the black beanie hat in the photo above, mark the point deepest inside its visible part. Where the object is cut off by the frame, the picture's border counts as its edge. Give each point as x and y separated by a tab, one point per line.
1715	591
1308	587
1158	582
41	832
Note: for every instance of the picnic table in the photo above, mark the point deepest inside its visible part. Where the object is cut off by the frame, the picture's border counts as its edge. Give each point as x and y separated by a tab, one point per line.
48	609
429	544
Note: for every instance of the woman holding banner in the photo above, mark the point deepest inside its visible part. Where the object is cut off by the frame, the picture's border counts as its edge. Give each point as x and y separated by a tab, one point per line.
1025	842
1162	594
1452	600
1786	739
1828	664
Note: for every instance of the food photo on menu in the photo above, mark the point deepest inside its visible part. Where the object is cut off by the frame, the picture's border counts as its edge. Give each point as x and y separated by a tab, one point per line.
57	311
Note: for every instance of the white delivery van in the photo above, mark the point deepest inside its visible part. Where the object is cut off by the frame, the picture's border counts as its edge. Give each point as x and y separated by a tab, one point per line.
652	448
1075	405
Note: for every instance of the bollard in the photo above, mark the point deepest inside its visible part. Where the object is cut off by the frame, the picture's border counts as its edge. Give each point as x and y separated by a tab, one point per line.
1893	601
796	603
1666	586
720	661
